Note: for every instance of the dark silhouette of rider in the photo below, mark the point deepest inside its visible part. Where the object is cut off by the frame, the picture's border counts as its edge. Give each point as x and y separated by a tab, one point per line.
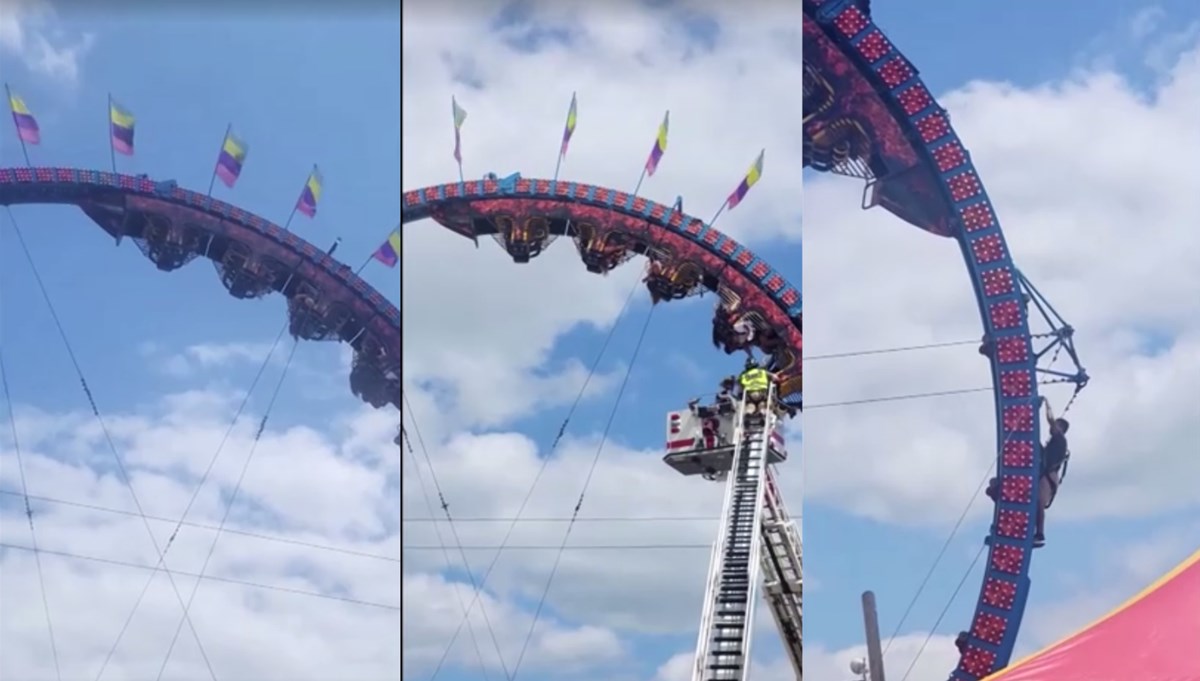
1054	457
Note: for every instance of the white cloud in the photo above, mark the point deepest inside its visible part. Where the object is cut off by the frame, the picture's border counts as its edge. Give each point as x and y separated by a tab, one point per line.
1109	576
30	32
336	488
1146	22
929	660
202	357
1119	573
433	611
1102	232
1098	228
482	335
1085	218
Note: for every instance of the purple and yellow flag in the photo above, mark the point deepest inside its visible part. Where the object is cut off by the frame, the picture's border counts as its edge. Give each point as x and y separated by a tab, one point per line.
120	123
572	115
231	159
660	145
753	176
311	194
460	116
389	252
27	127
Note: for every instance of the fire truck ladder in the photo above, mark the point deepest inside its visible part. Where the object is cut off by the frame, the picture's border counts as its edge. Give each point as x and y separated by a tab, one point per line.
726	624
782	573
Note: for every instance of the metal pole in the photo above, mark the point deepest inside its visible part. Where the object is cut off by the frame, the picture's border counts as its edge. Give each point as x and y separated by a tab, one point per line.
112	150
874	649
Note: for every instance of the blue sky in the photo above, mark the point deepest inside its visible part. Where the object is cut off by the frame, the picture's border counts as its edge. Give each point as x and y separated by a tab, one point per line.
168	356
492	381
493	362
339	110
1033	53
295	107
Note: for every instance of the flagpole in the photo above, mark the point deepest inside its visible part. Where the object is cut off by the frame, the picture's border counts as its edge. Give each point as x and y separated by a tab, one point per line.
641	179
287	225
24	149
112	152
213	181
655	150
719	211
359	271
567	132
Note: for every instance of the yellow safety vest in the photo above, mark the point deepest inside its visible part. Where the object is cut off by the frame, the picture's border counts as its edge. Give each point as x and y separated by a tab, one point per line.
755	379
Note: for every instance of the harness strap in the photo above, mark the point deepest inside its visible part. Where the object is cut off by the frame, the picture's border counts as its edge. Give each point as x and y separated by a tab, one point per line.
1053	490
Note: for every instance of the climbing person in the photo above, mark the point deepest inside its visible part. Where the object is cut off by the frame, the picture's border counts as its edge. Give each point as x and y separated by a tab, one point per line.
755	382
1054	457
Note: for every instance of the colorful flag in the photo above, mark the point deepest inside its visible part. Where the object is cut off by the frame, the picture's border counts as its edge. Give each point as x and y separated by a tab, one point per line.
389	252
311	194
460	116
572	114
753	176
660	145
231	159
121	128
27	127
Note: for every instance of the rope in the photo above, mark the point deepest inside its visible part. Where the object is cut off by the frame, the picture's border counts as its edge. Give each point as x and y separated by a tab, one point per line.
538	476
37	558
202	526
942	615
457	542
112	446
583	492
212	462
946	544
262	426
209	578
445	552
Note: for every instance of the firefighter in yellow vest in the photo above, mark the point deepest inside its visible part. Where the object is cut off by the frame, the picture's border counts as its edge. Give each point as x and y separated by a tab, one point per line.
755	382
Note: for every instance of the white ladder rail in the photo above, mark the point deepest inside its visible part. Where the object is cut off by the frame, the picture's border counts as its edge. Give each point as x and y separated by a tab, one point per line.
712	584
781	557
723	652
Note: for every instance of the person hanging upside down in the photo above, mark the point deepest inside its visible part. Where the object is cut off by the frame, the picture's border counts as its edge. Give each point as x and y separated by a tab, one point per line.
743	330
1054	456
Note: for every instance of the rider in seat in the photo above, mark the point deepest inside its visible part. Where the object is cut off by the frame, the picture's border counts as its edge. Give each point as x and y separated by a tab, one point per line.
727	395
1054	457
710	435
743	333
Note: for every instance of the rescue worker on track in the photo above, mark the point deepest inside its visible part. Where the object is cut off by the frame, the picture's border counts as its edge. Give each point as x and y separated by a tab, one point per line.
1054	457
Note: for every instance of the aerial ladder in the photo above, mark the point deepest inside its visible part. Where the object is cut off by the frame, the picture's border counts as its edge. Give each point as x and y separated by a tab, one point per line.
757	542
783	578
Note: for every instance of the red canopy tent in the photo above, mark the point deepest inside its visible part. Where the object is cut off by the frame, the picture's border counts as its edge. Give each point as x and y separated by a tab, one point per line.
1155	636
